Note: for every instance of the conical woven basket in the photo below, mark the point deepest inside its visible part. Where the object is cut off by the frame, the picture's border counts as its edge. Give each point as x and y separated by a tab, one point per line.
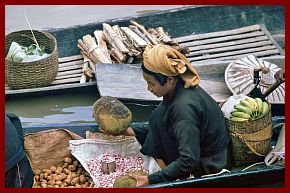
40	73
250	140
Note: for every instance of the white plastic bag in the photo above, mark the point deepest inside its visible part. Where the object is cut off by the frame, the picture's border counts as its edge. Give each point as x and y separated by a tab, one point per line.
19	53
15	53
31	58
228	106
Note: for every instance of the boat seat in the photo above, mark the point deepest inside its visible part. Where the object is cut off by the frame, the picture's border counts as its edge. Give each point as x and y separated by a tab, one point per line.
231	44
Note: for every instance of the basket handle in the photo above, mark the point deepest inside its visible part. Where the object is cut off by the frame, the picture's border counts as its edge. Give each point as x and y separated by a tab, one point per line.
241	137
245	142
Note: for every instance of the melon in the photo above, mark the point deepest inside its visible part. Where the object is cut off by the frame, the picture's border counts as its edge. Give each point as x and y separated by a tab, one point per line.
112	116
128	182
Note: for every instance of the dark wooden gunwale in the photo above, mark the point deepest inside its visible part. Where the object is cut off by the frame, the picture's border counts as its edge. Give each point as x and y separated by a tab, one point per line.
256	176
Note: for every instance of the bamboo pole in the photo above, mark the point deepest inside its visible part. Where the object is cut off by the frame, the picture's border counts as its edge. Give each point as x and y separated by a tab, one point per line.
101	43
144	31
116	41
133	36
95	50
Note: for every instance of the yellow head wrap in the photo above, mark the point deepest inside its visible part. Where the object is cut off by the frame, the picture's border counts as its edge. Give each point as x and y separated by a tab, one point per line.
168	61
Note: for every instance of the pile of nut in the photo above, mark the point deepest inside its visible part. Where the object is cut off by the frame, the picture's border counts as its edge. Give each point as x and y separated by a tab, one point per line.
124	165
70	175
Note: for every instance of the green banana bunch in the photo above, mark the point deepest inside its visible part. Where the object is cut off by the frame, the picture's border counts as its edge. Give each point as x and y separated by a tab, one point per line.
242	108
238	119
249	109
253	103
265	108
240	114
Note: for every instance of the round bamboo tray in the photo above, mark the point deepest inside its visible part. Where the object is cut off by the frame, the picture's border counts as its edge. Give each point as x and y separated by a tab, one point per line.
239	77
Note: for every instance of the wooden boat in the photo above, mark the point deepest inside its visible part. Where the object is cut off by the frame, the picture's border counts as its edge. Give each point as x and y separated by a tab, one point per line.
259	175
211	47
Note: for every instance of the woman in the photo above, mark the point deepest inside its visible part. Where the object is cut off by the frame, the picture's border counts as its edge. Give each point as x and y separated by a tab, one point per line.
187	133
18	171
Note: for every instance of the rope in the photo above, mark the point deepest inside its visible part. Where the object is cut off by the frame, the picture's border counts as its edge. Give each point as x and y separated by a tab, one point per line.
221	172
252	165
215	174
92	49
30	27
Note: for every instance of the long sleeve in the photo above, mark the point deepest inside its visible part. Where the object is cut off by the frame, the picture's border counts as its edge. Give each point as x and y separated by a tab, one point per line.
141	131
187	136
196	127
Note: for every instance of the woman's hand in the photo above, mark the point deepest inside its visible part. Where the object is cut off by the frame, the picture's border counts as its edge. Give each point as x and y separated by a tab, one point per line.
141	180
129	132
279	75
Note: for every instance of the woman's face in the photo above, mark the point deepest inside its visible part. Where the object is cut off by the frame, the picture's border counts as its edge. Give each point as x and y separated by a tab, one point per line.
156	88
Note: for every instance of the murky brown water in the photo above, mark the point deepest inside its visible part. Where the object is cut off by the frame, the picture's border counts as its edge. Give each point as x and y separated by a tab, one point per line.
64	109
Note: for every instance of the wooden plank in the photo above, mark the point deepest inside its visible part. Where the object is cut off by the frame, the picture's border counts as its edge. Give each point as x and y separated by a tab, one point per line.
66	81
50	88
70	72
265	30
71	63
205	57
70	58
222	39
131	84
266	53
230	48
231	43
69	68
68	76
218	34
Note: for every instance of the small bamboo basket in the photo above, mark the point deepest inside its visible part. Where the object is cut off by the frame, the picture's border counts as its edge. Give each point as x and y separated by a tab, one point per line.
40	73
250	140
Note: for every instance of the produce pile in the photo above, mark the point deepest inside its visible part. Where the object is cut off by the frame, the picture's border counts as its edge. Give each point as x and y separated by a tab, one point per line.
70	175
249	109
18	53
124	165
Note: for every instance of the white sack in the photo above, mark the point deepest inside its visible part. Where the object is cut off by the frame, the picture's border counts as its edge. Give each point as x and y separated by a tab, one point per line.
87	149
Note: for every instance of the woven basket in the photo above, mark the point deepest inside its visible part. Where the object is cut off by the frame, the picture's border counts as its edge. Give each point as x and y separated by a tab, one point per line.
20	75
250	140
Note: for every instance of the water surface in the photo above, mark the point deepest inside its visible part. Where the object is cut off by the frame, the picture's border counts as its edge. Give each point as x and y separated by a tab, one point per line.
66	109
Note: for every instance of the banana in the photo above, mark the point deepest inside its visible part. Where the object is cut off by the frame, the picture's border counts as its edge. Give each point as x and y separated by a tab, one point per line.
247	104
234	110
241	115
242	108
238	119
265	108
260	105
253	103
